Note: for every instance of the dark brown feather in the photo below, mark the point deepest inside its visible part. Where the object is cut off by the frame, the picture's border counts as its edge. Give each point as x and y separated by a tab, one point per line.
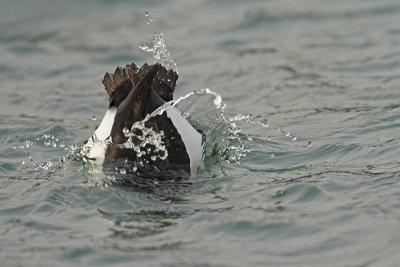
121	75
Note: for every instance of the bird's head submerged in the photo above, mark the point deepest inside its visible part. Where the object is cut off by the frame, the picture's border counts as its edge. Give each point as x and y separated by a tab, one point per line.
158	146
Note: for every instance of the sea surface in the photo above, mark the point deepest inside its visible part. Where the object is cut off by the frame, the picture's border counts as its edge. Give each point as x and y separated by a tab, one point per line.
302	164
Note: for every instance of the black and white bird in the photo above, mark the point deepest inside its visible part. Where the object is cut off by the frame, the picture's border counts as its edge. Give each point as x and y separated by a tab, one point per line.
156	142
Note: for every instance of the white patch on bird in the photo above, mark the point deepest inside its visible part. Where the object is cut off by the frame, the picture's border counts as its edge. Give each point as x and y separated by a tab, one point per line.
97	143
190	137
103	131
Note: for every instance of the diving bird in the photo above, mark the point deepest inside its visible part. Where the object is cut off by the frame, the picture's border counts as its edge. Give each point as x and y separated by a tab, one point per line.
150	138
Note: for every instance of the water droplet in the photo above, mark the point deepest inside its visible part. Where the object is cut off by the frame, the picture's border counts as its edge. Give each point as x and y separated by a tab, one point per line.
126	132
54	144
309	144
278	193
153	158
52	137
23	162
14	147
134	169
217	101
28	143
122	171
156	45
294	138
272	155
47	143
94	118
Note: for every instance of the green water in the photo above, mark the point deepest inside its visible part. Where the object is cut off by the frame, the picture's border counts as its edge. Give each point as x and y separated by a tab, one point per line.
319	186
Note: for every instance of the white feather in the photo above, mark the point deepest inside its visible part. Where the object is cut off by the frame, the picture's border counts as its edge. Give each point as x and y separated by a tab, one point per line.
190	137
96	143
103	131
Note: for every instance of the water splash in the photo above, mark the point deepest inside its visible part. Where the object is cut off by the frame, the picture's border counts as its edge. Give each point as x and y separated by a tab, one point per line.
287	134
157	47
227	140
47	141
205	109
230	137
141	137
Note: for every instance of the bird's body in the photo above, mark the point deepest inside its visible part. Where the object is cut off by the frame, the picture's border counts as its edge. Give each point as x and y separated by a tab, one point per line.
143	127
